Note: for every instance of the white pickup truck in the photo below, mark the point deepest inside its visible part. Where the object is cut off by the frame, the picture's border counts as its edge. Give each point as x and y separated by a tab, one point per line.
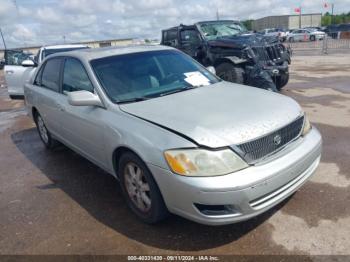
20	66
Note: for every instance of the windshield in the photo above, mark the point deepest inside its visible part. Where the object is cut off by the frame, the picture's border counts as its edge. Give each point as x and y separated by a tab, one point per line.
139	76
213	30
47	52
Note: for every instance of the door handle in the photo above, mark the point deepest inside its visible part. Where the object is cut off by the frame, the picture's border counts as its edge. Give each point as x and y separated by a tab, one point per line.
9	72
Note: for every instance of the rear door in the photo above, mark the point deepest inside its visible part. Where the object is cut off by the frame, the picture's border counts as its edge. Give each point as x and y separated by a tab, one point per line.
46	89
16	75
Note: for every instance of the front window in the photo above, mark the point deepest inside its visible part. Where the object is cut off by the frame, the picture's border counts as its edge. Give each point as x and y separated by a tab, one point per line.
217	29
146	75
75	77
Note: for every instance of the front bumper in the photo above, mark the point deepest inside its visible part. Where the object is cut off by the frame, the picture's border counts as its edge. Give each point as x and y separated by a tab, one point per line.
248	192
277	70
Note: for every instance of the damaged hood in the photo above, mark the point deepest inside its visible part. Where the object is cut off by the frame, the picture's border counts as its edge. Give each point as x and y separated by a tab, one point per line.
219	115
243	40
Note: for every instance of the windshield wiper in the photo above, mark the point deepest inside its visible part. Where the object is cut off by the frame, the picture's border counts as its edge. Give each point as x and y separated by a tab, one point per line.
132	100
173	91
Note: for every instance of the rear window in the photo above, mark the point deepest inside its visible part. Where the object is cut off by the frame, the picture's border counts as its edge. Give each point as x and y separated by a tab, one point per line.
170	37
51	74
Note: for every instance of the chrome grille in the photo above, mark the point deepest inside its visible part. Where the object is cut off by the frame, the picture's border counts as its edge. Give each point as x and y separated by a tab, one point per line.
255	150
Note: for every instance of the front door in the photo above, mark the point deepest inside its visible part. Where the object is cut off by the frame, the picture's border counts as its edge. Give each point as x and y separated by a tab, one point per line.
82	126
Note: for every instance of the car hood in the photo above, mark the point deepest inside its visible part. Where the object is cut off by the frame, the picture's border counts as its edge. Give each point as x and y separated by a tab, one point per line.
243	40
219	115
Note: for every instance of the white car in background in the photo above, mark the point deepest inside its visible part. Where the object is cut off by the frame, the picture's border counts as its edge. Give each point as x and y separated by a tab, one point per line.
280	33
20	66
306	35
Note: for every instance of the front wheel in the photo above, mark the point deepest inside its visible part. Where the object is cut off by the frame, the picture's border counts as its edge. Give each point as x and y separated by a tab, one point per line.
282	81
312	38
230	72
140	189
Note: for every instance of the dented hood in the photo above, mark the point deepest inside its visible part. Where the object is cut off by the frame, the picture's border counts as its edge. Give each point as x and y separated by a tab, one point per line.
219	115
243	40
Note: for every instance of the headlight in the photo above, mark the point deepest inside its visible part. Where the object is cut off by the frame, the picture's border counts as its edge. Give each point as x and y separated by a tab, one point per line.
307	126
201	162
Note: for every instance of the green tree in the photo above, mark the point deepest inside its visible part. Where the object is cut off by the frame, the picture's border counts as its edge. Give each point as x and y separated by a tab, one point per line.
247	24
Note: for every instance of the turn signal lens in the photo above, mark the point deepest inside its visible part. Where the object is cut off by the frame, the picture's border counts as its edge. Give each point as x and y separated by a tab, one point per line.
307	126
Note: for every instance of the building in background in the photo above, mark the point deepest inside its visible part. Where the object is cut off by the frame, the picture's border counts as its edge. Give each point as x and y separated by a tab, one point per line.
287	21
92	44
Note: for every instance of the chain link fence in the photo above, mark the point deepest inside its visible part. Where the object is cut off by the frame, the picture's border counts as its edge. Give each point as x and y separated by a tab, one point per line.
324	46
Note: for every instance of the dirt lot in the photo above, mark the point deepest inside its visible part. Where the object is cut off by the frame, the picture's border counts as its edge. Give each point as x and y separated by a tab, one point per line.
59	203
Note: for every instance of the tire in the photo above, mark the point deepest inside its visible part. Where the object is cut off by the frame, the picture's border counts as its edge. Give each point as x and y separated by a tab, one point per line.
44	133
282	81
291	39
230	72
141	191
312	38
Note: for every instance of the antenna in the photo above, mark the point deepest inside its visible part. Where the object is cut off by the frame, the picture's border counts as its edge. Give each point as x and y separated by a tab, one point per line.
3	39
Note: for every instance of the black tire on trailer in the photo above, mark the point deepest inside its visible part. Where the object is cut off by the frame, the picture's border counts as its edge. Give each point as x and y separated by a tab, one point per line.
229	72
140	190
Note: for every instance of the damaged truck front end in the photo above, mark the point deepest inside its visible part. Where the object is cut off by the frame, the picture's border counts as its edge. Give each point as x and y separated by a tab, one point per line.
238	57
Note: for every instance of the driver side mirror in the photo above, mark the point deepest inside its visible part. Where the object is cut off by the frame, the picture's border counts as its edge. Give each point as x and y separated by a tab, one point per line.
211	69
84	98
28	63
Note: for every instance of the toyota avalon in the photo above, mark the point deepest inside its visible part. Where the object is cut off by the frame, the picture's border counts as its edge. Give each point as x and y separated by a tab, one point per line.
179	139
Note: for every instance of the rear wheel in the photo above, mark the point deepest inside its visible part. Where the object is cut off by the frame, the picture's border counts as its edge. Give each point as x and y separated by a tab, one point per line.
282	81
230	72
44	134
140	189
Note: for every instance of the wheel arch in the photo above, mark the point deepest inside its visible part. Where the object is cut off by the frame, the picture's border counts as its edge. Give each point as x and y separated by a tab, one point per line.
34	112
118	152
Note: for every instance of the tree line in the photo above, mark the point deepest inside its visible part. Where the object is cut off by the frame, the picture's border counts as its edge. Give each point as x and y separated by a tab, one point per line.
343	18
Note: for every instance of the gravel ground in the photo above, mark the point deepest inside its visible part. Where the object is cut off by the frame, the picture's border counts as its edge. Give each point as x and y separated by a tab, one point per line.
56	202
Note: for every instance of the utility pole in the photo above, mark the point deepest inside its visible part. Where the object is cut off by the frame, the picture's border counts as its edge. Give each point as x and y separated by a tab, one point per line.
300	17
332	19
217	14
3	39
64	39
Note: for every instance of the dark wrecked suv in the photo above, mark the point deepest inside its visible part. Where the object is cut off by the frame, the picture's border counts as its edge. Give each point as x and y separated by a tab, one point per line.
239	57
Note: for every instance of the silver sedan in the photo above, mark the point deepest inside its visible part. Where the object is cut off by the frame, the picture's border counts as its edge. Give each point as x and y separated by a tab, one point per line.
305	35
179	139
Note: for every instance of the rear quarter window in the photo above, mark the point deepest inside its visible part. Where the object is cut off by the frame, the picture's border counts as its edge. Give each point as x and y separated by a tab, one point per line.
170	37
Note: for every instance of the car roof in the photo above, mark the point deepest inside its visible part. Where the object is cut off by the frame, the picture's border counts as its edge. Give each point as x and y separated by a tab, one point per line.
63	46
96	53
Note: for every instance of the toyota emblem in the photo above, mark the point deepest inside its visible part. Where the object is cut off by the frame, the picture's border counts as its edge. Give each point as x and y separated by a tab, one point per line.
277	140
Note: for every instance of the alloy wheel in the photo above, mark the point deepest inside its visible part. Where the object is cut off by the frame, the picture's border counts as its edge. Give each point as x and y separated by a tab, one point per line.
137	187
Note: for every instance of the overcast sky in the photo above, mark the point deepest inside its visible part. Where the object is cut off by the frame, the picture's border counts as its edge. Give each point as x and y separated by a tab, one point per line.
33	22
